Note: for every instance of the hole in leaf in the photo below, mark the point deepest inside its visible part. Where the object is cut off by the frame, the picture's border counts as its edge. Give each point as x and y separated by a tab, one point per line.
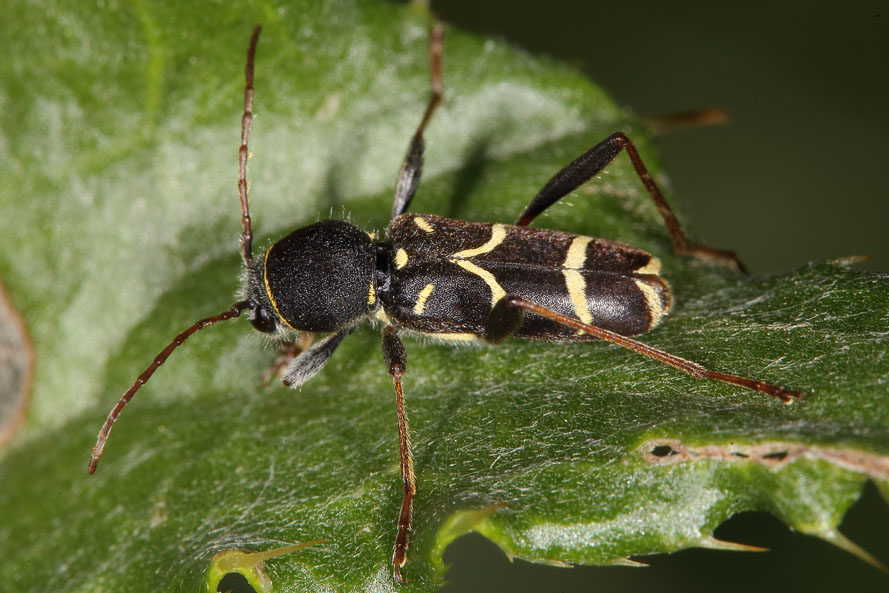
663	451
234	582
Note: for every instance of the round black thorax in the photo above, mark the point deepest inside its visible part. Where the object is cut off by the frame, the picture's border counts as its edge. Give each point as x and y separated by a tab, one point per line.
321	277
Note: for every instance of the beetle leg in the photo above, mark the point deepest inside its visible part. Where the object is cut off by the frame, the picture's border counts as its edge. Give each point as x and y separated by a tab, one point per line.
310	362
396	362
584	167
287	352
502	321
412	168
686	366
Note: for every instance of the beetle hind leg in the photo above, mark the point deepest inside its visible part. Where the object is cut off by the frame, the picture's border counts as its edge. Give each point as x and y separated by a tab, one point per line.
590	163
686	366
502	321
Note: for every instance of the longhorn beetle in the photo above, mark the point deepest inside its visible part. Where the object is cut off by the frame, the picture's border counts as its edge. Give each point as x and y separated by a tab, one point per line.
450	279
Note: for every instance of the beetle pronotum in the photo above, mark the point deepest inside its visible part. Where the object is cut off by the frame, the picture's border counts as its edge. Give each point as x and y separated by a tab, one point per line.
450	279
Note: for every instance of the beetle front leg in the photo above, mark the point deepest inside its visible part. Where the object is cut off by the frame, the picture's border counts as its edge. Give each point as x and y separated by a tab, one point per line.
587	165
396	362
310	362
287	351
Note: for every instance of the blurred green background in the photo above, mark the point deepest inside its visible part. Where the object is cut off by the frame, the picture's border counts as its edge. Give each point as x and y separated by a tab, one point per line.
797	174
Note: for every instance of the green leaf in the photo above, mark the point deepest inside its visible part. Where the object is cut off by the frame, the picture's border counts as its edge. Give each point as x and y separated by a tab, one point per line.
120	130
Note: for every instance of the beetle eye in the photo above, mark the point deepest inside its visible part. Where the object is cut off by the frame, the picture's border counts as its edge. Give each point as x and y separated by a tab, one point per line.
263	321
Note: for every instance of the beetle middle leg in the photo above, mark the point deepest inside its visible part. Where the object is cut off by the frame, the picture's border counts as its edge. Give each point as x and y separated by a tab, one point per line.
584	167
393	348
412	168
396	362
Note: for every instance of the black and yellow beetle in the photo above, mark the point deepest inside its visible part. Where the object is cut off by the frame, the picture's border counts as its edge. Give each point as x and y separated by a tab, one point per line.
450	279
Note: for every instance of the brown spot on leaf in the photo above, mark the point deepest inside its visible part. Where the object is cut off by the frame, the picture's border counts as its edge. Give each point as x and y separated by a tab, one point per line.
16	368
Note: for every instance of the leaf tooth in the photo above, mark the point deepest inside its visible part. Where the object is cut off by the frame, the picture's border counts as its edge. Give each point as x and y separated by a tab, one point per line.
841	541
627	562
712	543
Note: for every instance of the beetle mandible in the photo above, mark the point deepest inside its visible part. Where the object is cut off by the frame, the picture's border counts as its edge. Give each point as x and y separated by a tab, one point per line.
450	279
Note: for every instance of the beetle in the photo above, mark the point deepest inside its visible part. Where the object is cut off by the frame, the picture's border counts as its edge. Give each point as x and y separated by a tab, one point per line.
450	279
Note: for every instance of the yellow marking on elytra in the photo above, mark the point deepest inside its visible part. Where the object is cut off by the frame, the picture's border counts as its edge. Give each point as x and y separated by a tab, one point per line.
498	233
653	300
652	267
268	289
454	337
574	281
400	258
372	294
577	292
422	298
373	236
576	256
497	291
423	224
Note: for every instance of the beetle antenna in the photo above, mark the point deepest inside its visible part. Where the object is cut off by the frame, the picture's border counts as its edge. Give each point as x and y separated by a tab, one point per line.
246	121
235	311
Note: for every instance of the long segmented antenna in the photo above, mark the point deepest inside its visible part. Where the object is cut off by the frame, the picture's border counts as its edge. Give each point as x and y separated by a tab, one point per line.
246	121
246	253
235	311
